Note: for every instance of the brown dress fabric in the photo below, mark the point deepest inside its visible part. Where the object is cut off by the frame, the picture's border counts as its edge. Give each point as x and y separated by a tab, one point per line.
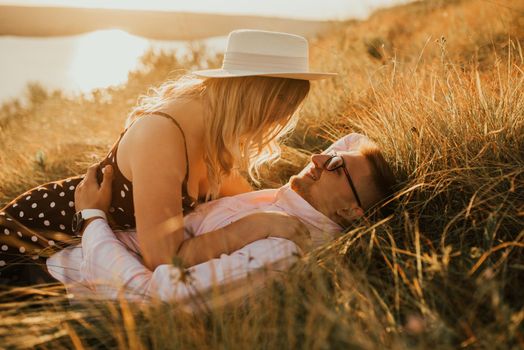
38	222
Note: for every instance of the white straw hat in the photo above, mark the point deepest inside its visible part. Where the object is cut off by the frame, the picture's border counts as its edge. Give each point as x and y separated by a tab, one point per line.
258	52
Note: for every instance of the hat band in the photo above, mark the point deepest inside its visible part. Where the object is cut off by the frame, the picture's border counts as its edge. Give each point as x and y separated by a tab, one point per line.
264	63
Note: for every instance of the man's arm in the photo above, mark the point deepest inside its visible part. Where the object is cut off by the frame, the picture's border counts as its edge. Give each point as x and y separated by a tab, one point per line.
107	264
108	267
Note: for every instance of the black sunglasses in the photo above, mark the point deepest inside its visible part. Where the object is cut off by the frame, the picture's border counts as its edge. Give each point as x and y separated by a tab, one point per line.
335	162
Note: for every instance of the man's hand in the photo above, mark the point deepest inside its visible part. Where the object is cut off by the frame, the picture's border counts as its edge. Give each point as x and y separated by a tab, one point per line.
90	195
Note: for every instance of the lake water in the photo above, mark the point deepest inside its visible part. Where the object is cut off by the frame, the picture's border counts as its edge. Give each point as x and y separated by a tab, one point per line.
78	63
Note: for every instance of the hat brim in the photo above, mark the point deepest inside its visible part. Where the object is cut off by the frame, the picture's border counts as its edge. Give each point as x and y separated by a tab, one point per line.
222	73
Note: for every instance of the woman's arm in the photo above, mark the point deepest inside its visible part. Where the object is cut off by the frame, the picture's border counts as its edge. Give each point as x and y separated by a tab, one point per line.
153	152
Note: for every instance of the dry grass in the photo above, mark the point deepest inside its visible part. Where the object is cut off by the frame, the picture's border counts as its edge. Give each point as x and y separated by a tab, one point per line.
439	85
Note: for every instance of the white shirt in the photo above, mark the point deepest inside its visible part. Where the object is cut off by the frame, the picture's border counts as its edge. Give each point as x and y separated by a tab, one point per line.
108	264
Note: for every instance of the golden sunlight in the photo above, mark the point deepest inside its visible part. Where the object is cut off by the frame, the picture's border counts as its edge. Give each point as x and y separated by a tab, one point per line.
104	58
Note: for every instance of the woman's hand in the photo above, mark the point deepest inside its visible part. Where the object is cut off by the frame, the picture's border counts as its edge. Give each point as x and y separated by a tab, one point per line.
90	195
278	224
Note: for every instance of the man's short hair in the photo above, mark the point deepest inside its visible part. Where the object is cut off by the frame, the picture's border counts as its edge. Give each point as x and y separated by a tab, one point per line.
382	176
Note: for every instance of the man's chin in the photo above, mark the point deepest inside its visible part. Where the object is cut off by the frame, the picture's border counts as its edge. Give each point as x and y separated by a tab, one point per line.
294	182
297	184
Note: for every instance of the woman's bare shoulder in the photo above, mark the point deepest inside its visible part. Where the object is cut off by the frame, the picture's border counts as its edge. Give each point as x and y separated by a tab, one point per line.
153	133
151	138
151	127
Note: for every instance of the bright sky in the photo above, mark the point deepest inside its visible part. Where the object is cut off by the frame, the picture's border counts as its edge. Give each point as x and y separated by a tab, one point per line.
72	63
307	9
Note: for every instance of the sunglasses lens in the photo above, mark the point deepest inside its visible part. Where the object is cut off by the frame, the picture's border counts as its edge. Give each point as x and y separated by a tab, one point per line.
333	163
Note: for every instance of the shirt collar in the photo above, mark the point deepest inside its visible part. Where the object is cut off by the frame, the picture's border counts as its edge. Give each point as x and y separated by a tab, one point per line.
323	228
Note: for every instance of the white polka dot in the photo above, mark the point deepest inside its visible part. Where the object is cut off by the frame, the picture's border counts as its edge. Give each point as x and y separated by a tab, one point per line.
34	238
19	233
122	210
112	209
34	257
9	219
63	212
6	232
71	204
126	188
113	159
4	247
45	195
47	223
27	198
21	250
123	194
21	214
30	219
52	205
62	227
2	263
71	187
51	242
34	205
41	215
15	205
55	186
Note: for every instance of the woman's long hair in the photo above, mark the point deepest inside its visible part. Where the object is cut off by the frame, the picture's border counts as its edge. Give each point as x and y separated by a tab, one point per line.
245	118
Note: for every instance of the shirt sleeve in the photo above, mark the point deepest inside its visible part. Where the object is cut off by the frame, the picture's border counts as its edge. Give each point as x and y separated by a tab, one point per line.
110	269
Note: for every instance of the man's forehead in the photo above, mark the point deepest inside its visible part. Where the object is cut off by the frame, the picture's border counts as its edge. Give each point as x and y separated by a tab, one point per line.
349	156
349	142
352	153
341	152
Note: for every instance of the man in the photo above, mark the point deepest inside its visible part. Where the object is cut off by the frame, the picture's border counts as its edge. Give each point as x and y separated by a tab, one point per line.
336	188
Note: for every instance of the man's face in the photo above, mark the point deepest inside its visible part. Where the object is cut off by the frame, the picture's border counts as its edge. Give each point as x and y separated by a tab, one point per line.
329	192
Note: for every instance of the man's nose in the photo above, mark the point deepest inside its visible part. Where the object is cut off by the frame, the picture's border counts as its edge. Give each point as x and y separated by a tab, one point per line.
319	160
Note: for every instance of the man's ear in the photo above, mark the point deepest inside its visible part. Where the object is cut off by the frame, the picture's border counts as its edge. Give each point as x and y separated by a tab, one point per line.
350	214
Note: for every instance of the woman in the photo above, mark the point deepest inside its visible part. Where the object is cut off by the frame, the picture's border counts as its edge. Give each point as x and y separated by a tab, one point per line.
187	142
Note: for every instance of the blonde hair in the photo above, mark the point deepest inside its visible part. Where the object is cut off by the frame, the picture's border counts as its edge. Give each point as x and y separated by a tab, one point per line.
245	118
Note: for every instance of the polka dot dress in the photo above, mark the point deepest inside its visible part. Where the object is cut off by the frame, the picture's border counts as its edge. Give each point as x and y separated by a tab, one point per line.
35	224
38	223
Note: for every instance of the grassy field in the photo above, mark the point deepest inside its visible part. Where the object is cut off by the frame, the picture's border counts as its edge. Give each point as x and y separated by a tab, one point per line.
440	86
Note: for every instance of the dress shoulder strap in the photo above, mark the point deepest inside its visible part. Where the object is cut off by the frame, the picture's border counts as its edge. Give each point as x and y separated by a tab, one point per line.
186	178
